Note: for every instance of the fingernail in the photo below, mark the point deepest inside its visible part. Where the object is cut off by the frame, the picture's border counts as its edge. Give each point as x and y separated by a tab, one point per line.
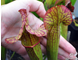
71	55
75	54
72	59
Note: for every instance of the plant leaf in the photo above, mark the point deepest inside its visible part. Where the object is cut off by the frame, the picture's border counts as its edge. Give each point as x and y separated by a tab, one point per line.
62	2
39	32
50	18
35	53
59	2
73	2
70	7
16	38
59	13
53	18
28	40
65	15
11	40
67	3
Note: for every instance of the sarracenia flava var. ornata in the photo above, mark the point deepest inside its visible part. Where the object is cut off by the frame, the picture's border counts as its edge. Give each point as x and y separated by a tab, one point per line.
29	37
53	17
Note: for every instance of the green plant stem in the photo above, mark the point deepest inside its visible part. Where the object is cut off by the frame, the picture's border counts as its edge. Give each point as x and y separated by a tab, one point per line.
3	53
12	55
2	2
8	1
28	40
50	3
35	53
63	30
53	43
52	20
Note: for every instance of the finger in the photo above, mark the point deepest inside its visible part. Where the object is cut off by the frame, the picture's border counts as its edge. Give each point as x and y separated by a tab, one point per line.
43	41
30	5
66	46
43	49
38	8
17	47
61	51
65	54
60	57
33	5
63	44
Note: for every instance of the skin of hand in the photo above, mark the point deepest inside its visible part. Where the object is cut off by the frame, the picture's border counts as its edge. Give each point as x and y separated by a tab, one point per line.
11	23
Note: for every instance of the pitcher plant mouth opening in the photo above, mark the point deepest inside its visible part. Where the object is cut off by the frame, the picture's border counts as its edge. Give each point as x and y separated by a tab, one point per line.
30	38
25	26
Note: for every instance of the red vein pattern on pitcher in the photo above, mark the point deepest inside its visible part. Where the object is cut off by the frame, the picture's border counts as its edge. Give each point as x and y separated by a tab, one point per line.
53	17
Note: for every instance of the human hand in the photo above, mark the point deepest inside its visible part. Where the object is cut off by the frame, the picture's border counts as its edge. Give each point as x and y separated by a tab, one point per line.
11	23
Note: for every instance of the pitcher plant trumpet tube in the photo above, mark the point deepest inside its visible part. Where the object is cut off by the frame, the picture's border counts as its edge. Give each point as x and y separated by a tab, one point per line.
53	17
29	37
